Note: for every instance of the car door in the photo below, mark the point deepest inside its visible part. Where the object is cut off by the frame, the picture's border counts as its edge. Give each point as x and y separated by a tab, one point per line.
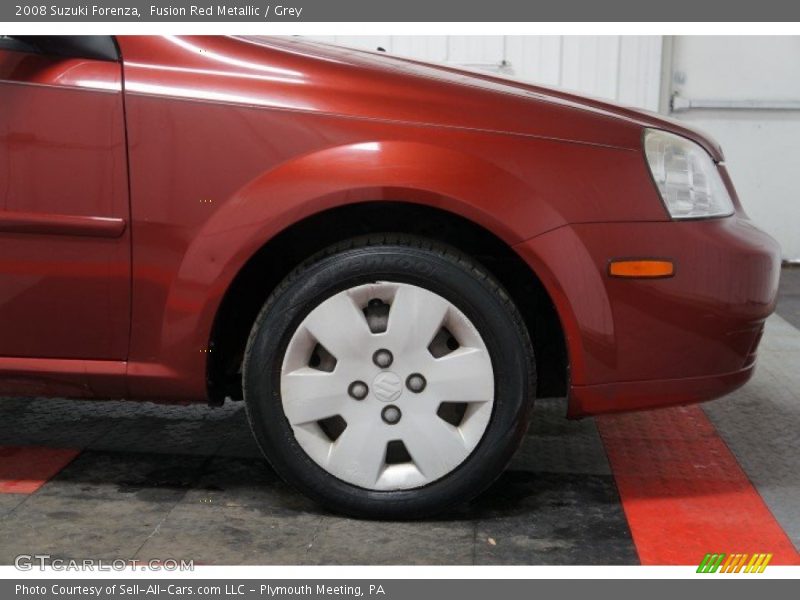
64	236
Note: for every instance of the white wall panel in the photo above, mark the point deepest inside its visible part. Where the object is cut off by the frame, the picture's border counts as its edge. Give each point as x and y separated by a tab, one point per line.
639	80
368	42
590	64
737	67
425	47
476	49
535	58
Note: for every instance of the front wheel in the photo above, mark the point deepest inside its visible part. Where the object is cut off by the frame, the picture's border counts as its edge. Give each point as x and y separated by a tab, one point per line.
389	377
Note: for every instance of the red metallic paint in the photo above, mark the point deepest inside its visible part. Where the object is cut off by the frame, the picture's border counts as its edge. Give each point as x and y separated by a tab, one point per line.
637	343
64	244
230	141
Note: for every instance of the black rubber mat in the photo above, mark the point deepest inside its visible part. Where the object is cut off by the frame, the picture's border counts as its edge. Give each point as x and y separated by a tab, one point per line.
187	482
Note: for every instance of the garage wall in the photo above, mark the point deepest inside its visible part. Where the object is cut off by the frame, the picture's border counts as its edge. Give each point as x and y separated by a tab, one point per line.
761	138
622	68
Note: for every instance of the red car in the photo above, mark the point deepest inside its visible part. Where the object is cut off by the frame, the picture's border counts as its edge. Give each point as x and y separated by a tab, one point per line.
386	260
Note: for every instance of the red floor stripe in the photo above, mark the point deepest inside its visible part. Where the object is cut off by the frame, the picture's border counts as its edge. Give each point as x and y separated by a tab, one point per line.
683	492
23	470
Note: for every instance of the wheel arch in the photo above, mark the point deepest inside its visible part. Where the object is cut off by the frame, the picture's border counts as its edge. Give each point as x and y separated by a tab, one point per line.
276	258
253	222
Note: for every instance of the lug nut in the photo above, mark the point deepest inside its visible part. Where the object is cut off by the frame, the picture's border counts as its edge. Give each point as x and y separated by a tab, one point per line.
358	390
382	358
391	414
416	383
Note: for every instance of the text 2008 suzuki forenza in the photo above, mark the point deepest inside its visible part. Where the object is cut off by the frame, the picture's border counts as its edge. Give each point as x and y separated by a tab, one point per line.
387	260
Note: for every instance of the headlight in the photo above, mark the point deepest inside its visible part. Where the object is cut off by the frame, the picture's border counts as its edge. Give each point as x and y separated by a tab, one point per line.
686	177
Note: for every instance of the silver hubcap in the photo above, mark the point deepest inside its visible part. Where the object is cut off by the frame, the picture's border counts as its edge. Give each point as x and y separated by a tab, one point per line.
387	386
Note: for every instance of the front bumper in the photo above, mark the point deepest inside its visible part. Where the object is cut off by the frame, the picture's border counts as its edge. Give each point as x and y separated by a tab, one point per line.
638	343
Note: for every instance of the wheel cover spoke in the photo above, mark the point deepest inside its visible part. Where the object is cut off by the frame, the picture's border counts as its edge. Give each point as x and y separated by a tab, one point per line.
310	395
463	376
436	447
415	316
395	435
340	326
358	456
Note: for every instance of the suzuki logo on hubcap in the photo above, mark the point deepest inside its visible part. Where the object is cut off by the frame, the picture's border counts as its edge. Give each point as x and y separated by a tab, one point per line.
387	386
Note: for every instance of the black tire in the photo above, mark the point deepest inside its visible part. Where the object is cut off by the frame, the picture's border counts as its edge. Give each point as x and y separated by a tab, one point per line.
403	259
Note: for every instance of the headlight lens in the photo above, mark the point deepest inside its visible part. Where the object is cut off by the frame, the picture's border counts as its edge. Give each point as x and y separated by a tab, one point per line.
686	177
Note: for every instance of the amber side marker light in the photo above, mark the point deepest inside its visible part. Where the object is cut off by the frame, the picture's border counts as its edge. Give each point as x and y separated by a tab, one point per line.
641	268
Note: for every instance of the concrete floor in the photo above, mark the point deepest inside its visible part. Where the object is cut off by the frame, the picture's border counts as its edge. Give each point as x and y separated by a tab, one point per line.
154	481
